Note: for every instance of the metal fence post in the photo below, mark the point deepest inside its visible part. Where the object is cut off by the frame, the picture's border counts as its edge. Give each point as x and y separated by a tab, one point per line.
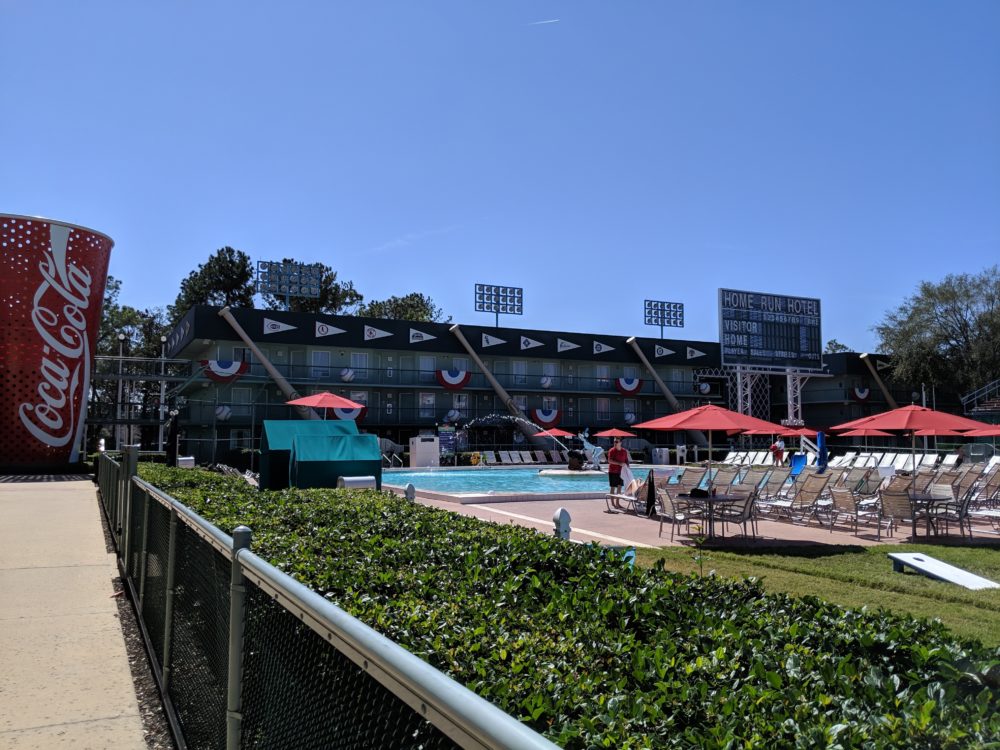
237	601
144	552
168	612
129	468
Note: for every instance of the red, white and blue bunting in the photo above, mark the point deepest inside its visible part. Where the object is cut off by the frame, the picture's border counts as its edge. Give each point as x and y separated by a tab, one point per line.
224	370
453	380
628	386
355	414
546	417
862	394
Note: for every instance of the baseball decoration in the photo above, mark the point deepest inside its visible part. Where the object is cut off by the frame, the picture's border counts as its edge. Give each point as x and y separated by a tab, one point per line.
452	415
629	418
546	381
704	388
223	413
347	374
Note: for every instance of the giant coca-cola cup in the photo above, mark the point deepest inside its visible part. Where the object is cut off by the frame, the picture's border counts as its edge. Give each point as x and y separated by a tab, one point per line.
52	278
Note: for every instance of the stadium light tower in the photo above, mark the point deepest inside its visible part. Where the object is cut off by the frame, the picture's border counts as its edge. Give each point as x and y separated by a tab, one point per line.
289	279
660	313
508	300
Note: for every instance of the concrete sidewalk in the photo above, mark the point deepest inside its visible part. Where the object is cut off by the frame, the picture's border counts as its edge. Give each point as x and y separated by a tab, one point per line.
65	680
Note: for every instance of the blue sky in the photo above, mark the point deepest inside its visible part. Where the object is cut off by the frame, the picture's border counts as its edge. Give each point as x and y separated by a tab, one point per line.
622	151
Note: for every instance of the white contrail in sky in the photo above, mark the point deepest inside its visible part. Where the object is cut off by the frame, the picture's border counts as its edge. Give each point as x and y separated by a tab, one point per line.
539	23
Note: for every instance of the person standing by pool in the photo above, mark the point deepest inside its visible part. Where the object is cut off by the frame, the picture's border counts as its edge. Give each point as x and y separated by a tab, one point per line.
617	458
778	452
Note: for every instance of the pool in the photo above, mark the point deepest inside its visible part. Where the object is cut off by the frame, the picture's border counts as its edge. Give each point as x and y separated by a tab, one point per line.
485	485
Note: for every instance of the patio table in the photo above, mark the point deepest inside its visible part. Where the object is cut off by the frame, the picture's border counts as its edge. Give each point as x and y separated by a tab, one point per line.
709	504
924	502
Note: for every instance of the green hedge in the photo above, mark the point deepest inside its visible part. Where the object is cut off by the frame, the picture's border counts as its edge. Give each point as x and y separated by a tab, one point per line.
596	654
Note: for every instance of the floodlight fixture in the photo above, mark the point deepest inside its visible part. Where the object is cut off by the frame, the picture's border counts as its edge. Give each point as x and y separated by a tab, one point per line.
289	279
508	300
660	313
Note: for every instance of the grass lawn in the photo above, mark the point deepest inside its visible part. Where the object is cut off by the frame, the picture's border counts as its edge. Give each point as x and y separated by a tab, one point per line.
861	577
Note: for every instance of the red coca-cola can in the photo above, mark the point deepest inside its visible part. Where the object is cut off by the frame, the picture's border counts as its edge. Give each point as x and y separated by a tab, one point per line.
52	279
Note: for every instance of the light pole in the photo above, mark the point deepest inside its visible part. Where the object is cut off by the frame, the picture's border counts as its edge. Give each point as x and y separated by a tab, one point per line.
163	385
118	410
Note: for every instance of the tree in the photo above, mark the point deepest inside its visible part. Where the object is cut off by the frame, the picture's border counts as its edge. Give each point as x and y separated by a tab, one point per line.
334	297
226	278
835	347
948	333
415	306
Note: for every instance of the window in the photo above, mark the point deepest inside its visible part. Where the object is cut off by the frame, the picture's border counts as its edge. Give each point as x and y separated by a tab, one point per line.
603	411
240	439
297	364
321	363
460	363
460	402
359	363
359	397
519	369
242	354
520	401
630	371
241	402
426	406
550	402
426	368
603	374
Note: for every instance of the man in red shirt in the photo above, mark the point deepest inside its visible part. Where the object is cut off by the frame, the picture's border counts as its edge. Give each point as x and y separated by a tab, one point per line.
617	458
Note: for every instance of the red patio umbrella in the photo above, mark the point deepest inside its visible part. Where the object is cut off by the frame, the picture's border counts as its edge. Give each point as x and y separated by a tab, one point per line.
613	433
709	417
991	431
325	400
866	432
554	432
913	418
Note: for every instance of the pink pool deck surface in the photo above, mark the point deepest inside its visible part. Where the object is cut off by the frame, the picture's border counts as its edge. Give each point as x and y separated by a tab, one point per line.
592	523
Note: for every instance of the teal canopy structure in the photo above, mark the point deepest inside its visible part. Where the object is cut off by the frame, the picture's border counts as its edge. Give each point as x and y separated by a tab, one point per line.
320	460
276	445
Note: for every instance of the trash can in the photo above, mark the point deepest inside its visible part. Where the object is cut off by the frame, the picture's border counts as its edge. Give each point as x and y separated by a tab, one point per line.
661	456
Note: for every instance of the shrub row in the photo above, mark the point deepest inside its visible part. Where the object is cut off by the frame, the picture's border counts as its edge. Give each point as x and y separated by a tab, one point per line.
594	653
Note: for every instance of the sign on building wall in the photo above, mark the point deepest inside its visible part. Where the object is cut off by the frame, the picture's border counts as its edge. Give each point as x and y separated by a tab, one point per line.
769	330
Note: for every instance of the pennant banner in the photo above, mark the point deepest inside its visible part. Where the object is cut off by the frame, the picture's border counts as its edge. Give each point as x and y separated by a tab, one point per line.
224	370
546	418
563	345
371	332
527	343
491	340
453	380
417	337
662	351
273	326
628	386
600	348
322	329
694	353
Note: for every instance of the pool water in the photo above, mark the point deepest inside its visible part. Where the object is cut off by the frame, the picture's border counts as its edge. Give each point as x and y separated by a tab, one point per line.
497	481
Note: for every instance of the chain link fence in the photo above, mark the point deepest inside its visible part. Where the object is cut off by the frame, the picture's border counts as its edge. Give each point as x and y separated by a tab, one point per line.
245	656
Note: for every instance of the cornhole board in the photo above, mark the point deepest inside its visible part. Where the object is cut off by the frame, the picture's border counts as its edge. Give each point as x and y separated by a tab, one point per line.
934	568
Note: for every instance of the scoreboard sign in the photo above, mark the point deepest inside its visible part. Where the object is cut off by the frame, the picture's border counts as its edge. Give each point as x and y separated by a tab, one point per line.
769	330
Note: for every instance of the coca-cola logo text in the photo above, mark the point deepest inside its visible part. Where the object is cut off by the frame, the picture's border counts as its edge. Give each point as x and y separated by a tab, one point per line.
59	316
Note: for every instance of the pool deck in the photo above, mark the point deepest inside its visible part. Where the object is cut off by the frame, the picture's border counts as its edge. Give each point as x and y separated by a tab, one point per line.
591	522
